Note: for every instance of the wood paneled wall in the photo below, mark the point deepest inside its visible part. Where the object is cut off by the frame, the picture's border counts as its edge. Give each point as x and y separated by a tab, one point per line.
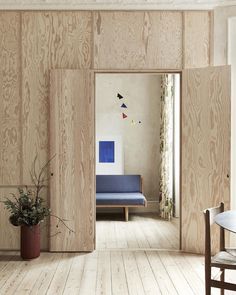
138	40
197	39
72	140
10	120
205	150
34	42
50	40
10	103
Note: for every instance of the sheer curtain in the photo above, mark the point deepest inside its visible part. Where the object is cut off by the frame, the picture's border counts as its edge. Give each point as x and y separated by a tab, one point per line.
166	144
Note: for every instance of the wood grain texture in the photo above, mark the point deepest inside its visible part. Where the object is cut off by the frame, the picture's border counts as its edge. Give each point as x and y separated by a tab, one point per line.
10	157
205	149
106	272
72	187
137	40
40	41
49	40
196	39
9	234
143	231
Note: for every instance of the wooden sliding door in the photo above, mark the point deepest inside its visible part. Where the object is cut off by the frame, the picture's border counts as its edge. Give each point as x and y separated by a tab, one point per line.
205	156
72	186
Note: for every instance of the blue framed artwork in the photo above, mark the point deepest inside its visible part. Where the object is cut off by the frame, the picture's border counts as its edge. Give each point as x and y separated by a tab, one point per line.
106	152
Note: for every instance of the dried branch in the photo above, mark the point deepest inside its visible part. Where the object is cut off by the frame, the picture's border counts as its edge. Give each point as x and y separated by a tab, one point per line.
63	222
57	233
27	207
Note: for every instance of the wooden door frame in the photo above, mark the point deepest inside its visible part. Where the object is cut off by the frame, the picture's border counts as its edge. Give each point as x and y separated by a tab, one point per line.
148	72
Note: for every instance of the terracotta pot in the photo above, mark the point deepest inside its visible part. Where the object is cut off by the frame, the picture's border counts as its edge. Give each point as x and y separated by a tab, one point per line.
30	241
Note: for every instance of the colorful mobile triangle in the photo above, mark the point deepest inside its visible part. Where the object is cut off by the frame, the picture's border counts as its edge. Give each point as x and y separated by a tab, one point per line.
124	116
123	106
119	96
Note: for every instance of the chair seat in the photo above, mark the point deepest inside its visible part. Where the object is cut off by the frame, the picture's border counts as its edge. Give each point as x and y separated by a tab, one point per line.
224	259
232	251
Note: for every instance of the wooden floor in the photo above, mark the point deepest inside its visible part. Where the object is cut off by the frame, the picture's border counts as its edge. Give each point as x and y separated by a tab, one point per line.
142	231
125	262
104	272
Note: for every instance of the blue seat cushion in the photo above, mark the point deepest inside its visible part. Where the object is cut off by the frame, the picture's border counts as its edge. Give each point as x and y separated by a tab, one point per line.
118	183
120	199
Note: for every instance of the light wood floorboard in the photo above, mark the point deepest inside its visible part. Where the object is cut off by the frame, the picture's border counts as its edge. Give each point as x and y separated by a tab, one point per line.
106	272
141	231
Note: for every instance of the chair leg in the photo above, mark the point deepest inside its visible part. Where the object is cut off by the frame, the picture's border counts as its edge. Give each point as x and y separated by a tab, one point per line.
222	279
207	280
208	288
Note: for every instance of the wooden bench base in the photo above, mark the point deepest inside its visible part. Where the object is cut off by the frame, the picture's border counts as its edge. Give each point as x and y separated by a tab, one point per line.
125	208
126	213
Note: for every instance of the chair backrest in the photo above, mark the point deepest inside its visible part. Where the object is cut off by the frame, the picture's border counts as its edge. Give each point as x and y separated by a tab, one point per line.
210	215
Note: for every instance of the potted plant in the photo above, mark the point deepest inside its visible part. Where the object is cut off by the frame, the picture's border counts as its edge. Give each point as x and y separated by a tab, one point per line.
28	210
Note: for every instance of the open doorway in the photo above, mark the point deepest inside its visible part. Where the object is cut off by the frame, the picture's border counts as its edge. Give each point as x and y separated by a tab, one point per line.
137	134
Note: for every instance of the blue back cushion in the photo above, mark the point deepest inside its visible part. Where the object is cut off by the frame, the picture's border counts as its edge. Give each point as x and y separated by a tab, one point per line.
117	183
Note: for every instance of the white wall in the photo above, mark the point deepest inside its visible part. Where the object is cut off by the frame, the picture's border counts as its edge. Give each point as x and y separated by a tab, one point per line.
225	53
232	62
221	16
140	141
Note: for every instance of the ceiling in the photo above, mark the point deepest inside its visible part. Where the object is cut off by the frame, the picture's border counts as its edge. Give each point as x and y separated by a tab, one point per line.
115	4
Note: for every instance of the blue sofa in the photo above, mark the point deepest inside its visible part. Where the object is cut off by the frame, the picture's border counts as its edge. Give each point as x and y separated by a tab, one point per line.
120	191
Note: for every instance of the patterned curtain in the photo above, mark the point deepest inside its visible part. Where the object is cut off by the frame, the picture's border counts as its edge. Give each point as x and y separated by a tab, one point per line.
166	145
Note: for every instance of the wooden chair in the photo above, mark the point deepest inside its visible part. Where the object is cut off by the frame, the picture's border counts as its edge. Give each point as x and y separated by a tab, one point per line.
225	259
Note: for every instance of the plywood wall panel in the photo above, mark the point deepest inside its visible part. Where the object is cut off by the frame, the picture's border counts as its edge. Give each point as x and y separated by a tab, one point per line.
33	42
205	149
49	40
138	40
10	98
197	38
72	140
9	234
